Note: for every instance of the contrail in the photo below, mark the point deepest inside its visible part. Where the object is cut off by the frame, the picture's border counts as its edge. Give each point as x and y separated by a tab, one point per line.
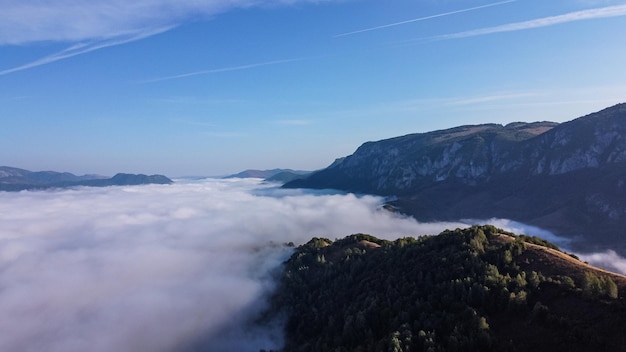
80	49
424	18
603	12
223	69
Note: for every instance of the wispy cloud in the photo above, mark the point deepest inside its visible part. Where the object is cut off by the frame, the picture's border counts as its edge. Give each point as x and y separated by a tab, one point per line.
414	107
208	129
224	134
497	106
17	98
520	103
27	21
192	123
603	12
198	100
423	18
221	69
88	25
293	122
420	105
83	48
491	98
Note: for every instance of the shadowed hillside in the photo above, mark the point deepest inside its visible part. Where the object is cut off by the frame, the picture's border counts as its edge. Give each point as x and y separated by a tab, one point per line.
477	289
568	178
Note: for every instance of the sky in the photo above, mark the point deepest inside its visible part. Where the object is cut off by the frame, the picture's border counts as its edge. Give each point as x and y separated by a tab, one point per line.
176	267
208	87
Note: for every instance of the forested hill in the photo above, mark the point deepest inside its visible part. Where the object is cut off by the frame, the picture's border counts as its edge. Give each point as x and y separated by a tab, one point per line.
477	289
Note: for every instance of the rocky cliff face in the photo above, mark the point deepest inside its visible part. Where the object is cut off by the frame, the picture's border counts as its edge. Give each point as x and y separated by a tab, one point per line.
467	154
569	177
592	141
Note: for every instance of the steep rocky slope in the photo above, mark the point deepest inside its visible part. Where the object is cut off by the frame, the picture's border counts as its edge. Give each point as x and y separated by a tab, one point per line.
569	178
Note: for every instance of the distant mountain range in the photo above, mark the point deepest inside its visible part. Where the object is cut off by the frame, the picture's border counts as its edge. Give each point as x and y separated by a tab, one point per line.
569	178
273	175
14	179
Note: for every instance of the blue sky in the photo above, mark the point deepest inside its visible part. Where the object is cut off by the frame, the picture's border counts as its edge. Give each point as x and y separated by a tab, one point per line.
197	87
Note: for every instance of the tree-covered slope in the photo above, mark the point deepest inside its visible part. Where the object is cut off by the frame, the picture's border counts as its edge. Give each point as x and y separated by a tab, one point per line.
477	289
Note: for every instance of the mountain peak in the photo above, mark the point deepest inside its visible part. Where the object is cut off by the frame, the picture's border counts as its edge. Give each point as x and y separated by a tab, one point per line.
569	178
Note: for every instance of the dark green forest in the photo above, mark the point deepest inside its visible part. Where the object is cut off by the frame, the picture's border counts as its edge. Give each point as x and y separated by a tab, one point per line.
475	289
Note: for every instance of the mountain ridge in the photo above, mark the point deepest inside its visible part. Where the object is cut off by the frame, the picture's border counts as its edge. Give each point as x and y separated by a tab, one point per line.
569	178
16	179
268	174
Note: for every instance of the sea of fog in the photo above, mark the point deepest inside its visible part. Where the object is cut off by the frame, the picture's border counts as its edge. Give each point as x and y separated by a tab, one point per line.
180	267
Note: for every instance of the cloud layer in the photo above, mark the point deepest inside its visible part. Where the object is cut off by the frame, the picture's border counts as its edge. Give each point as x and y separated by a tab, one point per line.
166	268
159	268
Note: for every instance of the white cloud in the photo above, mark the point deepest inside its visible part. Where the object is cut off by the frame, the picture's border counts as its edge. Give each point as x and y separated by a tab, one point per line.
97	24
25	21
164	267
603	12
609	260
159	268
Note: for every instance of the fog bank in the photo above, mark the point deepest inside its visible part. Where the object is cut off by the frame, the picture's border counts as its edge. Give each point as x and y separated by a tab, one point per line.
167	267
160	268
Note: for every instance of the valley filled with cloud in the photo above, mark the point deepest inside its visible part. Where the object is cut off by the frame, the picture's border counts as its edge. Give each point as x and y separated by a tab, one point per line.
177	267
